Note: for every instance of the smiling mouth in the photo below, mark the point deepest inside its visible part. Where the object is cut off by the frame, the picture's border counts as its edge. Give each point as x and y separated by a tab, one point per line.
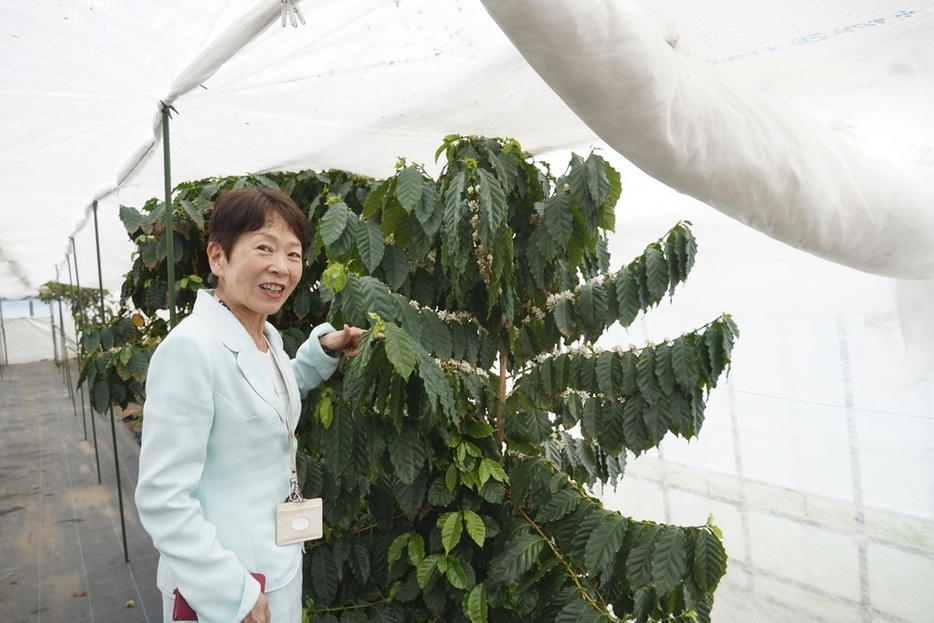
271	287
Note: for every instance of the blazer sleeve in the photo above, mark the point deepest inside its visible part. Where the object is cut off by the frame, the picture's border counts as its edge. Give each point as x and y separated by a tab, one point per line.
311	365
179	412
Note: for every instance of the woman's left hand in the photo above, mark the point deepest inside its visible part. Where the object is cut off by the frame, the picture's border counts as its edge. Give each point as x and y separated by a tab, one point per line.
346	341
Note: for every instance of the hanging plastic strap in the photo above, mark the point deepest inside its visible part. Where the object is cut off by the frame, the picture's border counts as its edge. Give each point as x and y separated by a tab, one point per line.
295	492
291	13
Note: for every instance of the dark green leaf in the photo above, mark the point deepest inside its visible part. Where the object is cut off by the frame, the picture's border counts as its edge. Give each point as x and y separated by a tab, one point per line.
132	220
645	376
709	559
301	302
664	369
560	504
591	309
609	374
605	541
656	272
627	296
579	611
455	245
407	455
565	317
610	432
374	296
634	425
669	559
409	186
656	421
100	392
338	442
370	244
492	208
558	220
436	336
194	212
360	562
639	562
374	201
684	363
323	573
395	267
138	364
516	559
334	222
713	343
429	211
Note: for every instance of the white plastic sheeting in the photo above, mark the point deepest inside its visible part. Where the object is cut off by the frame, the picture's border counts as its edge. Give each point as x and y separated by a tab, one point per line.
818	455
724	141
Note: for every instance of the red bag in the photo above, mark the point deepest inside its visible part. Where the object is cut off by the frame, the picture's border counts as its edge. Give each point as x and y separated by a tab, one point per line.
183	612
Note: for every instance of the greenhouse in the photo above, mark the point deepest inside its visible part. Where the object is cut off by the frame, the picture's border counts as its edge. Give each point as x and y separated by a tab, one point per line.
637	301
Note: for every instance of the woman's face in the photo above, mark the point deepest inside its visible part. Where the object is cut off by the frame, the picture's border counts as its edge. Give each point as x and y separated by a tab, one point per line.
261	272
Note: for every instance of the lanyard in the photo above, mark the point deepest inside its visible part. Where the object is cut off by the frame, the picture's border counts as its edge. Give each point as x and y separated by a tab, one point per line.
295	493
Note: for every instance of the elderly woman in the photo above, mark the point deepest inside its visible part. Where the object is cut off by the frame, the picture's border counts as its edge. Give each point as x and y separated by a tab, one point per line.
222	403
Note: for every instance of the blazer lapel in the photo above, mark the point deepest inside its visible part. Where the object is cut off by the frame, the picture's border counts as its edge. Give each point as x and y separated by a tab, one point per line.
235	338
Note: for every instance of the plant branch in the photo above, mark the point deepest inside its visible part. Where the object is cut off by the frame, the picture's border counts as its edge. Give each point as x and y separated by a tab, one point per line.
500	429
601	606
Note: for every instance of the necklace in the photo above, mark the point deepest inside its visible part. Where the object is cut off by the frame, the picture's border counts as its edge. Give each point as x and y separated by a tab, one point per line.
259	346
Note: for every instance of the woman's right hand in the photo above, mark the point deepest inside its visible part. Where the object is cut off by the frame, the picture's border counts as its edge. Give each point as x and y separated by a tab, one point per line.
260	612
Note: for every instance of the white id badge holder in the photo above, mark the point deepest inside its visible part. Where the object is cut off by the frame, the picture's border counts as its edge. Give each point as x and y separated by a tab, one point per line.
299	519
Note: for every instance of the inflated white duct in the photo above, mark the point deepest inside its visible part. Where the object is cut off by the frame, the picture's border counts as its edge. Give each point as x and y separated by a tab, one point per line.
724	142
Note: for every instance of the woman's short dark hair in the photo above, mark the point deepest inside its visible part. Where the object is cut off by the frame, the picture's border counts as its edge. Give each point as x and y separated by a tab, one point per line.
241	211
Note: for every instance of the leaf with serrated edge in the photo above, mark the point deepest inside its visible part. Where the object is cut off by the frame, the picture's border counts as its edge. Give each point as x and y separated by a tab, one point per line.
400	350
591	308
520	554
334	222
370	244
709	560
562	503
409	188
605	541
579	611
669	559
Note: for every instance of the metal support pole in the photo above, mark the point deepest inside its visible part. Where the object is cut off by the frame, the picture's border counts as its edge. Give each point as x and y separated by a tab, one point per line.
97	458
54	336
113	423
75	311
6	349
66	359
169	225
2	341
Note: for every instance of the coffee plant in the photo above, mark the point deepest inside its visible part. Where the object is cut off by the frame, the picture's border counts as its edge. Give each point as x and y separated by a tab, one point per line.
457	453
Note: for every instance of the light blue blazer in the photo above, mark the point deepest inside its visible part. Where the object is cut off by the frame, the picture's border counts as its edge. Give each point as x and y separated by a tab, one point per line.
214	461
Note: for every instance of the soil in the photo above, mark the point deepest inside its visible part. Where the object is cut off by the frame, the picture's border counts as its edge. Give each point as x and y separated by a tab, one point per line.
132	418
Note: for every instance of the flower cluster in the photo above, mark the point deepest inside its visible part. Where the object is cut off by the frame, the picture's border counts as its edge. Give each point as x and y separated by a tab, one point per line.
457	365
